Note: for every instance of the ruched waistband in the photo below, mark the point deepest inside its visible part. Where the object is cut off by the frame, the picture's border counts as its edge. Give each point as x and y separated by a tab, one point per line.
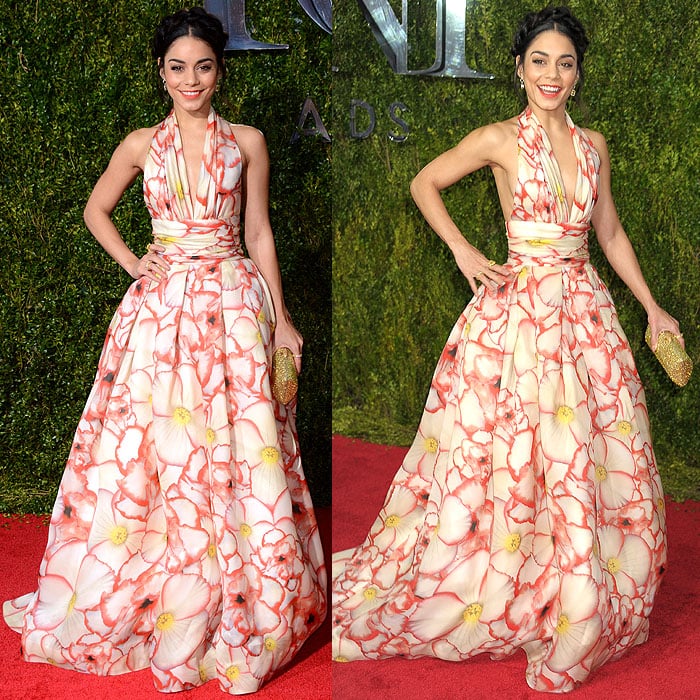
198	240
533	242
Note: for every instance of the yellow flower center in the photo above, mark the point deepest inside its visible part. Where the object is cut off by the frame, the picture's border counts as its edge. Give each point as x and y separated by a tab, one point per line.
270	644
211	434
341	659
601	473
565	415
370	593
182	416
165	621
51	661
202	674
71	603
523	273
624	427
512	543
258	335
270	455
232	673
180	191
431	445
118	534
613	565
261	316
660	504
392	521
211	552
563	624
246	530
473	612
467	328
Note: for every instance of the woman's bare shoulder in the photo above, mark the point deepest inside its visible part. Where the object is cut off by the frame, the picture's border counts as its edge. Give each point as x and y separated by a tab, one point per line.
134	147
138	138
597	139
246	134
251	142
495	141
507	128
494	132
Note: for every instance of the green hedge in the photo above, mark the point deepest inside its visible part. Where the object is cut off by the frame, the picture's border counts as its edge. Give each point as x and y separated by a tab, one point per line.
396	289
75	78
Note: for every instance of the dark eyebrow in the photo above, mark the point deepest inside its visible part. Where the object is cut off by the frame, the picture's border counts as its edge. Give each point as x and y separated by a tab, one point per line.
201	60
544	53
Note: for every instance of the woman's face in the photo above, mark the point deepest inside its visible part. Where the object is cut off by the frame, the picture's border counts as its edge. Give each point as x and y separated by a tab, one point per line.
190	72
549	70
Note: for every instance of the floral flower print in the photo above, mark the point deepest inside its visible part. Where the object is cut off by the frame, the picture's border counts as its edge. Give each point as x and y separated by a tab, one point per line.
511	544
445	537
626	558
263	453
564	419
399	516
114	538
178	427
66	598
48	649
616	486
235	679
181	619
460	611
578	622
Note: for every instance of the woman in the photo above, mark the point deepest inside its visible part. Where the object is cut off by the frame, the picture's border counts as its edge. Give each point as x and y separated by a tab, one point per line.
528	512
183	536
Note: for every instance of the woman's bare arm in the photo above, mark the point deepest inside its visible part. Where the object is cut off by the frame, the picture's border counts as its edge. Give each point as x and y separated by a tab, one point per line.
618	250
259	238
482	147
126	163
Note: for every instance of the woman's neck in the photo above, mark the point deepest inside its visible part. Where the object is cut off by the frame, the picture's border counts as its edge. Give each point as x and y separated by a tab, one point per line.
192	121
552	121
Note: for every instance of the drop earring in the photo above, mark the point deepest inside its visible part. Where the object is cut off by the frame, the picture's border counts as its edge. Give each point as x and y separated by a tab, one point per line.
522	84
573	91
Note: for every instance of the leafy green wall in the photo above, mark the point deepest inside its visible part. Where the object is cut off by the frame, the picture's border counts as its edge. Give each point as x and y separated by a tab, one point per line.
396	289
75	78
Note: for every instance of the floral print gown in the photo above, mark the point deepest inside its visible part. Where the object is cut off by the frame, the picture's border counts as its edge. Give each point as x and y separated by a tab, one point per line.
528	512
183	536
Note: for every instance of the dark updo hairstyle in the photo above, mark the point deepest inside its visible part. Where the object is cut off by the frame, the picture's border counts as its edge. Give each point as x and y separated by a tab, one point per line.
560	20
196	22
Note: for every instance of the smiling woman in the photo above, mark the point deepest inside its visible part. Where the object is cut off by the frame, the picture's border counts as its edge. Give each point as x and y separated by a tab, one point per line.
190	73
183	537
528	512
190	78
572	48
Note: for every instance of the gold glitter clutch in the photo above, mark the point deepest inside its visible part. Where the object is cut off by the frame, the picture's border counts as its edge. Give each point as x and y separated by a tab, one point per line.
284	375
672	356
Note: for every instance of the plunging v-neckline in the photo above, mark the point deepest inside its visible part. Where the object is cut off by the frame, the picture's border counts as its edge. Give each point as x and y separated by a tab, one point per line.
553	173
188	194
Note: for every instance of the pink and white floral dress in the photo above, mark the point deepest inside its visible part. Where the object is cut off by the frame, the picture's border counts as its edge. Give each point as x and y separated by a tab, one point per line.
183	537
528	512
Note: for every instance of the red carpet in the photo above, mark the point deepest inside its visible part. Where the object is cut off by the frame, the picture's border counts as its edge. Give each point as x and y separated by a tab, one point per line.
23	541
666	667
